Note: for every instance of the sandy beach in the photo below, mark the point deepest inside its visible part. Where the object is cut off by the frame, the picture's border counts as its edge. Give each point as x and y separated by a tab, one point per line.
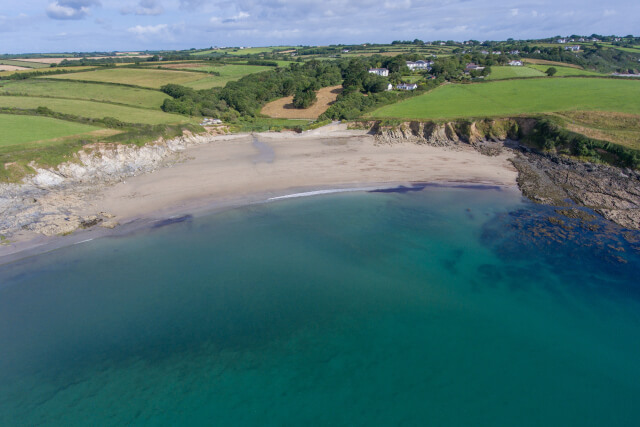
232	170
277	164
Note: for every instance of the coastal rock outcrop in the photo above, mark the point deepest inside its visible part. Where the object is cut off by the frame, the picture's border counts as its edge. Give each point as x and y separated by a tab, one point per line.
544	178
50	201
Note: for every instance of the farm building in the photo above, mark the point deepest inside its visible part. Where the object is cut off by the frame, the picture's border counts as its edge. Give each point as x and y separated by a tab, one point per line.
419	65
516	63
407	86
379	71
471	66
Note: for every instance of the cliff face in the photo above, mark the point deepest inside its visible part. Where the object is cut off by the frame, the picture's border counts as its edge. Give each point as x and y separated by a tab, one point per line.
451	133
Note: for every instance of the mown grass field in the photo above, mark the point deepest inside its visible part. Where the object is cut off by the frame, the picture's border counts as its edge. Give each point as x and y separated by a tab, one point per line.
509	72
88	91
565	71
248	51
45	70
25	64
94	110
18	129
529	61
283	108
516	97
133	76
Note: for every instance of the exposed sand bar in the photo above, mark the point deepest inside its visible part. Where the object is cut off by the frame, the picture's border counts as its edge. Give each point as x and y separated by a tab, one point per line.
238	167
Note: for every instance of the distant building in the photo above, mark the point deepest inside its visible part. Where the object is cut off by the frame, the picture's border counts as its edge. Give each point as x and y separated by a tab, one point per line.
484	52
516	63
471	66
561	41
407	86
514	52
379	71
345	50
389	86
572	48
419	65
210	122
496	52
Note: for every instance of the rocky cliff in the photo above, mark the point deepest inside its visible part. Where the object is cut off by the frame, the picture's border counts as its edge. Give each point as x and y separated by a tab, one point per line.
50	201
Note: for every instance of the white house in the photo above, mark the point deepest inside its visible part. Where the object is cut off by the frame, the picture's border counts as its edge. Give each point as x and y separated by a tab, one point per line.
561	41
419	65
407	86
379	71
484	52
515	52
572	48
389	86
345	50
516	63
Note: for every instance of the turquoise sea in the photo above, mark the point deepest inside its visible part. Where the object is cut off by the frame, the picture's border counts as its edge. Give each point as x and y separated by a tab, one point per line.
423	306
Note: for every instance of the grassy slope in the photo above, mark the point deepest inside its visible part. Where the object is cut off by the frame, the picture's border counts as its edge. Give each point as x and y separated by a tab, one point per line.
509	72
24	129
514	97
95	110
134	76
88	91
566	71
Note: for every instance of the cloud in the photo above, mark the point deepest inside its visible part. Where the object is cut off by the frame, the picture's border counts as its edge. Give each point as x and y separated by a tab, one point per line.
514	12
191	4
145	7
608	12
70	9
157	32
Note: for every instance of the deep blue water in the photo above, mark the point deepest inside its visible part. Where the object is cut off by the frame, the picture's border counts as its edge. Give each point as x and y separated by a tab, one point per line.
443	306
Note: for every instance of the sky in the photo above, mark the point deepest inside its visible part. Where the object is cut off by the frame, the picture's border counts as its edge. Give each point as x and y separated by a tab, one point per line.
110	25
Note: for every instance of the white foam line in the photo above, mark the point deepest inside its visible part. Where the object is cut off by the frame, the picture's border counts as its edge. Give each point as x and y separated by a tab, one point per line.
319	192
84	241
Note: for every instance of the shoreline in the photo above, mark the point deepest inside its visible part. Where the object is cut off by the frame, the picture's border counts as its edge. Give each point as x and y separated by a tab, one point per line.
220	172
199	208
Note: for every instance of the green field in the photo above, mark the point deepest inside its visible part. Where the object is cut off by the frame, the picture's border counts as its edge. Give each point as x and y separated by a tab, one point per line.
248	51
23	129
565	71
46	70
515	97
509	72
25	64
134	76
227	73
94	110
88	91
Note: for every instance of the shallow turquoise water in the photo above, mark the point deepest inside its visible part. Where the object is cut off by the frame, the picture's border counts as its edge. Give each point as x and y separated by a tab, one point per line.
446	306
